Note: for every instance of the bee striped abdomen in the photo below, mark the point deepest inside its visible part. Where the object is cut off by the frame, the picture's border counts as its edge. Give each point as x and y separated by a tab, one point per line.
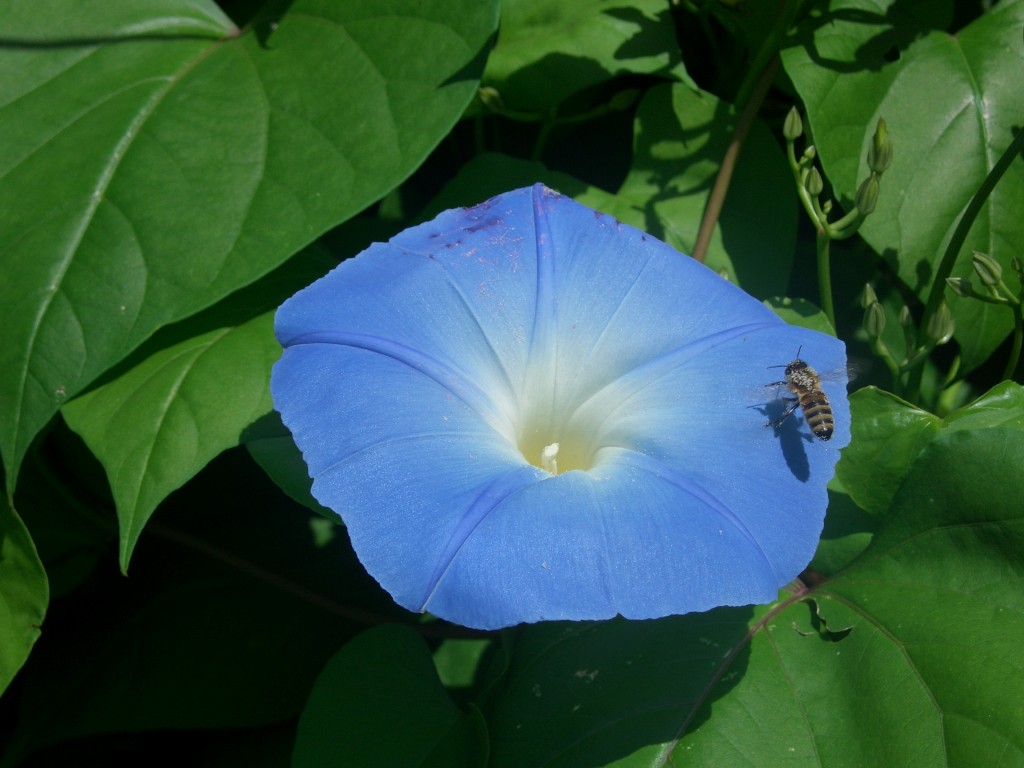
818	414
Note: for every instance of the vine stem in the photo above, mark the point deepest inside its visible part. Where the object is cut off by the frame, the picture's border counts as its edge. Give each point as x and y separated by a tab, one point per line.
956	242
766	60
821	244
718	192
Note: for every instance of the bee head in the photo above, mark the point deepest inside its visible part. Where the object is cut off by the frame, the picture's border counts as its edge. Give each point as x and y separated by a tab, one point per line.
796	366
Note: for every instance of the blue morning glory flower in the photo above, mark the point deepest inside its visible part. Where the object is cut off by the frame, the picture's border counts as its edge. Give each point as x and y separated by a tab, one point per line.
526	410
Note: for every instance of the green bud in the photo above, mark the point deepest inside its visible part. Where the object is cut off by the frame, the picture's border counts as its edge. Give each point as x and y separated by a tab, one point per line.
490	98
874	320
810	153
793	127
867	195
868	296
880	149
941	325
906	319
961	286
815	184
826	207
989	271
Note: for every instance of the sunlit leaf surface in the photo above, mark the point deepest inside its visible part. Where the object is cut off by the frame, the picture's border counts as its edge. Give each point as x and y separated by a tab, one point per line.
153	161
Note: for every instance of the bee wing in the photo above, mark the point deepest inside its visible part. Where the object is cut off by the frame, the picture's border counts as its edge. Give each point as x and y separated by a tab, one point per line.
846	373
856	367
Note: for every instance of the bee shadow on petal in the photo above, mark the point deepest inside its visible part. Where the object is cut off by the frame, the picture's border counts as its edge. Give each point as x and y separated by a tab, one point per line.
792	435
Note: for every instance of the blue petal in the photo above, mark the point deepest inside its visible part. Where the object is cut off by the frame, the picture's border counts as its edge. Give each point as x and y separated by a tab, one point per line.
421	378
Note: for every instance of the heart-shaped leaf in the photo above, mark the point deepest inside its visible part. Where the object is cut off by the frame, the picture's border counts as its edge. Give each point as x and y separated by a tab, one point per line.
158	158
157	425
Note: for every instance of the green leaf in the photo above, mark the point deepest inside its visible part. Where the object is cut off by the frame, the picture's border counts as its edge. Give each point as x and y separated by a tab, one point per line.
1002	406
24	594
802	313
157	425
951	110
848	530
379	702
160	18
458	661
680	139
159	158
594	693
936	612
549	50
889	435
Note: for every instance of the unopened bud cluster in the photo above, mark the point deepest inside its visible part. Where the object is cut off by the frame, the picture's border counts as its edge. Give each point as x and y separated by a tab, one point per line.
990	273
879	160
812	185
939	331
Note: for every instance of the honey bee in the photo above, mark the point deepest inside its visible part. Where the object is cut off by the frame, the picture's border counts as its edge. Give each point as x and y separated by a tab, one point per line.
805	384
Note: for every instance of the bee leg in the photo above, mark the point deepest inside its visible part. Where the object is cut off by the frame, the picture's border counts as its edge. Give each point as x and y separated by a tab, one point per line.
778	384
794	403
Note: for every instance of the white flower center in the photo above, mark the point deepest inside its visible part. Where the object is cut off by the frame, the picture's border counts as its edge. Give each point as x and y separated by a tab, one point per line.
556	451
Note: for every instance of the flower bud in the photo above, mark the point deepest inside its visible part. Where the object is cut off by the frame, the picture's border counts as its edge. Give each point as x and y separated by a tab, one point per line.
793	127
810	153
867	195
961	286
989	271
941	325
906	319
815	184
491	98
874	320
880	149
868	296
